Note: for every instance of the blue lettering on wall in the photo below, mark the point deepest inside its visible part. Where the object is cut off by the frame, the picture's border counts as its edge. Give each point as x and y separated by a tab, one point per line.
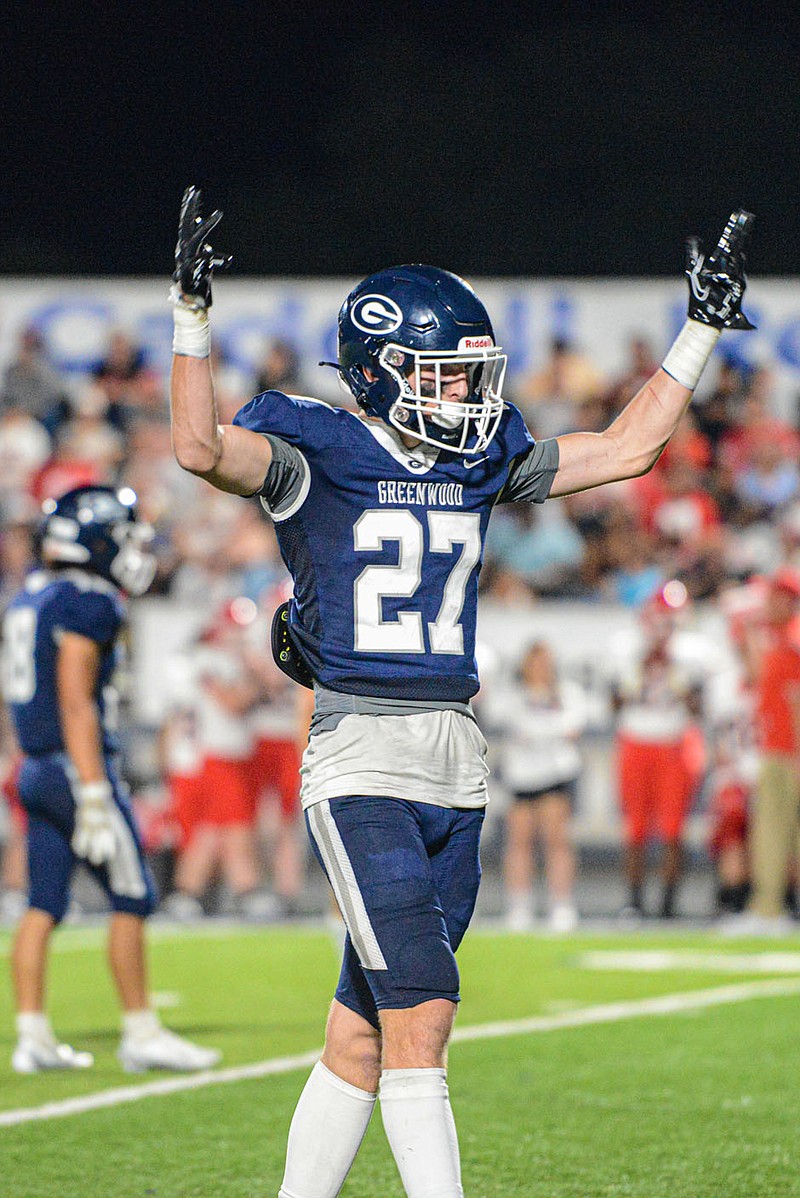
788	343
243	339
329	347
154	334
65	352
562	317
516	335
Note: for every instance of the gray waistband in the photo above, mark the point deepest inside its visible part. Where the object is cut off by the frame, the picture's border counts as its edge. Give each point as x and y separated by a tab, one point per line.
330	707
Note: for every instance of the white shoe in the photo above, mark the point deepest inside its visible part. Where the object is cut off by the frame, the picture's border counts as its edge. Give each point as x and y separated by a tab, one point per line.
183	908
13	905
563	918
519	919
748	923
164	1050
259	906
630	916
35	1056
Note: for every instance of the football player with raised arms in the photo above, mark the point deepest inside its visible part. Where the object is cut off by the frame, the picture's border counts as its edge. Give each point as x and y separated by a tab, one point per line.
381	519
59	656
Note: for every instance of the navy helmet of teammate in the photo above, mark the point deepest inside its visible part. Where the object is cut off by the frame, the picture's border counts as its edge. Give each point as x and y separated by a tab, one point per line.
381	518
97	529
59	657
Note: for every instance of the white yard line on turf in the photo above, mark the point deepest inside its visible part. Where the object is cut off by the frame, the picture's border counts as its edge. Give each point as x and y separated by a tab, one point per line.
666	1004
655	960
88	937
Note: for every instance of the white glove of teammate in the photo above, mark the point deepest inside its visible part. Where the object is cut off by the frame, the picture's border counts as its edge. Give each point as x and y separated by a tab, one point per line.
94	837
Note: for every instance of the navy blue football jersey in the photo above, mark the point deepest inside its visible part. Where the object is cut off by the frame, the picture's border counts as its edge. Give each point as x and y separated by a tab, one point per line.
49	604
385	546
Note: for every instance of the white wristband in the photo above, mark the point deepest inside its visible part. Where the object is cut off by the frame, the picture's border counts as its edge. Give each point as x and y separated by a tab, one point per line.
192	336
690	351
92	792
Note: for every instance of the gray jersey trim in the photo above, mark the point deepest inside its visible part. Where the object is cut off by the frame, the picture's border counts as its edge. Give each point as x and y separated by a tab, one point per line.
287	483
330	707
531	477
345	885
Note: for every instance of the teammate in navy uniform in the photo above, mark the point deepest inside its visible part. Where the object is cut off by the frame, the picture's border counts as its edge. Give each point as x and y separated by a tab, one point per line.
59	655
381	519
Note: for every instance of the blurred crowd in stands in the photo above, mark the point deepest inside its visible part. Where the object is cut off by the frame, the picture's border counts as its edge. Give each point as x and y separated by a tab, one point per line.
721	507
722	503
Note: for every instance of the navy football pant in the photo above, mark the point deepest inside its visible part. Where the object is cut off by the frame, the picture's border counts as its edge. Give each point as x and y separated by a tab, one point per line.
45	793
406	878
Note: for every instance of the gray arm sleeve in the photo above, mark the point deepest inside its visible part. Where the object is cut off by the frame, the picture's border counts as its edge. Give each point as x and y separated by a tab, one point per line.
531	476
286	477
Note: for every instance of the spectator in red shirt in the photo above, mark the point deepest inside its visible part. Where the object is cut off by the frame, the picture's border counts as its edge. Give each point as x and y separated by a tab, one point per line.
755	424
776	815
686	514
64	470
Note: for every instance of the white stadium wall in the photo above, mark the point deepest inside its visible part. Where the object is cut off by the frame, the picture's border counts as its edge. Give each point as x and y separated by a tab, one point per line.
599	316
587	639
76	316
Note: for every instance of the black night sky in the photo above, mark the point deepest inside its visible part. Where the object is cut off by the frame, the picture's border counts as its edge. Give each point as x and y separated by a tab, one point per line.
491	139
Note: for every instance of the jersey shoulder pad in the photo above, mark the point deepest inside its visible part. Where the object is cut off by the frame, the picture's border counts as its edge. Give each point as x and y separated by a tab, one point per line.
91	608
304	422
513	432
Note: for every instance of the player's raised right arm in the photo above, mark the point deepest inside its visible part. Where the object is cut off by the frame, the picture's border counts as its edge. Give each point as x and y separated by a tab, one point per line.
232	459
632	444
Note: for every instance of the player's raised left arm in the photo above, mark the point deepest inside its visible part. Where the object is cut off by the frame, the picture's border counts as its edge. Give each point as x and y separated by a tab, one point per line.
231	459
633	443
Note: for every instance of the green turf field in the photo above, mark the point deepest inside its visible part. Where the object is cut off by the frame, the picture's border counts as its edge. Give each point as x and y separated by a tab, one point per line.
696	1104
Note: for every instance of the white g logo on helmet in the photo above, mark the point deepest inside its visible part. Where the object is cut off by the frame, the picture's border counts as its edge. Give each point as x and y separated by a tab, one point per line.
376	314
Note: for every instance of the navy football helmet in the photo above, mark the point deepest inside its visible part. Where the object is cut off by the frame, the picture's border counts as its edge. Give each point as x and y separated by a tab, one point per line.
95	528
403	333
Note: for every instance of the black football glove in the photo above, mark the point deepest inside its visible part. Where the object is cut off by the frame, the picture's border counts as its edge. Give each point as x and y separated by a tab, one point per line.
195	260
717	283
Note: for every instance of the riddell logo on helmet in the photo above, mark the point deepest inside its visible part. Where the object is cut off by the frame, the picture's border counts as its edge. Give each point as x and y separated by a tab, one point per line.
484	342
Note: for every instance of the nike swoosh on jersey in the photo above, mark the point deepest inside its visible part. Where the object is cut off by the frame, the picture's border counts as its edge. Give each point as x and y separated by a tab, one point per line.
468	465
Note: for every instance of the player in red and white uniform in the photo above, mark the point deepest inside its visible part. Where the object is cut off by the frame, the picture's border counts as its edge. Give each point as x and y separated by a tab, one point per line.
13	878
220	827
658	697
733	753
275	763
181	765
733	776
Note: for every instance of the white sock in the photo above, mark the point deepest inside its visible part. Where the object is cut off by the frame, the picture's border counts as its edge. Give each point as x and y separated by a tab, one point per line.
140	1025
328	1125
34	1025
419	1125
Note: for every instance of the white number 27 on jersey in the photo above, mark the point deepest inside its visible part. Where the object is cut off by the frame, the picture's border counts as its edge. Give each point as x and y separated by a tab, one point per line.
404	634
17	667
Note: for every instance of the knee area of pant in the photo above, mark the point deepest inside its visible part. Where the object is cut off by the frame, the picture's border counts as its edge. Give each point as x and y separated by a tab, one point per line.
427	963
56	910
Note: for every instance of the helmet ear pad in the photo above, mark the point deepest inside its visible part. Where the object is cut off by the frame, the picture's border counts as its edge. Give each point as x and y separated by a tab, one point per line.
372	385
